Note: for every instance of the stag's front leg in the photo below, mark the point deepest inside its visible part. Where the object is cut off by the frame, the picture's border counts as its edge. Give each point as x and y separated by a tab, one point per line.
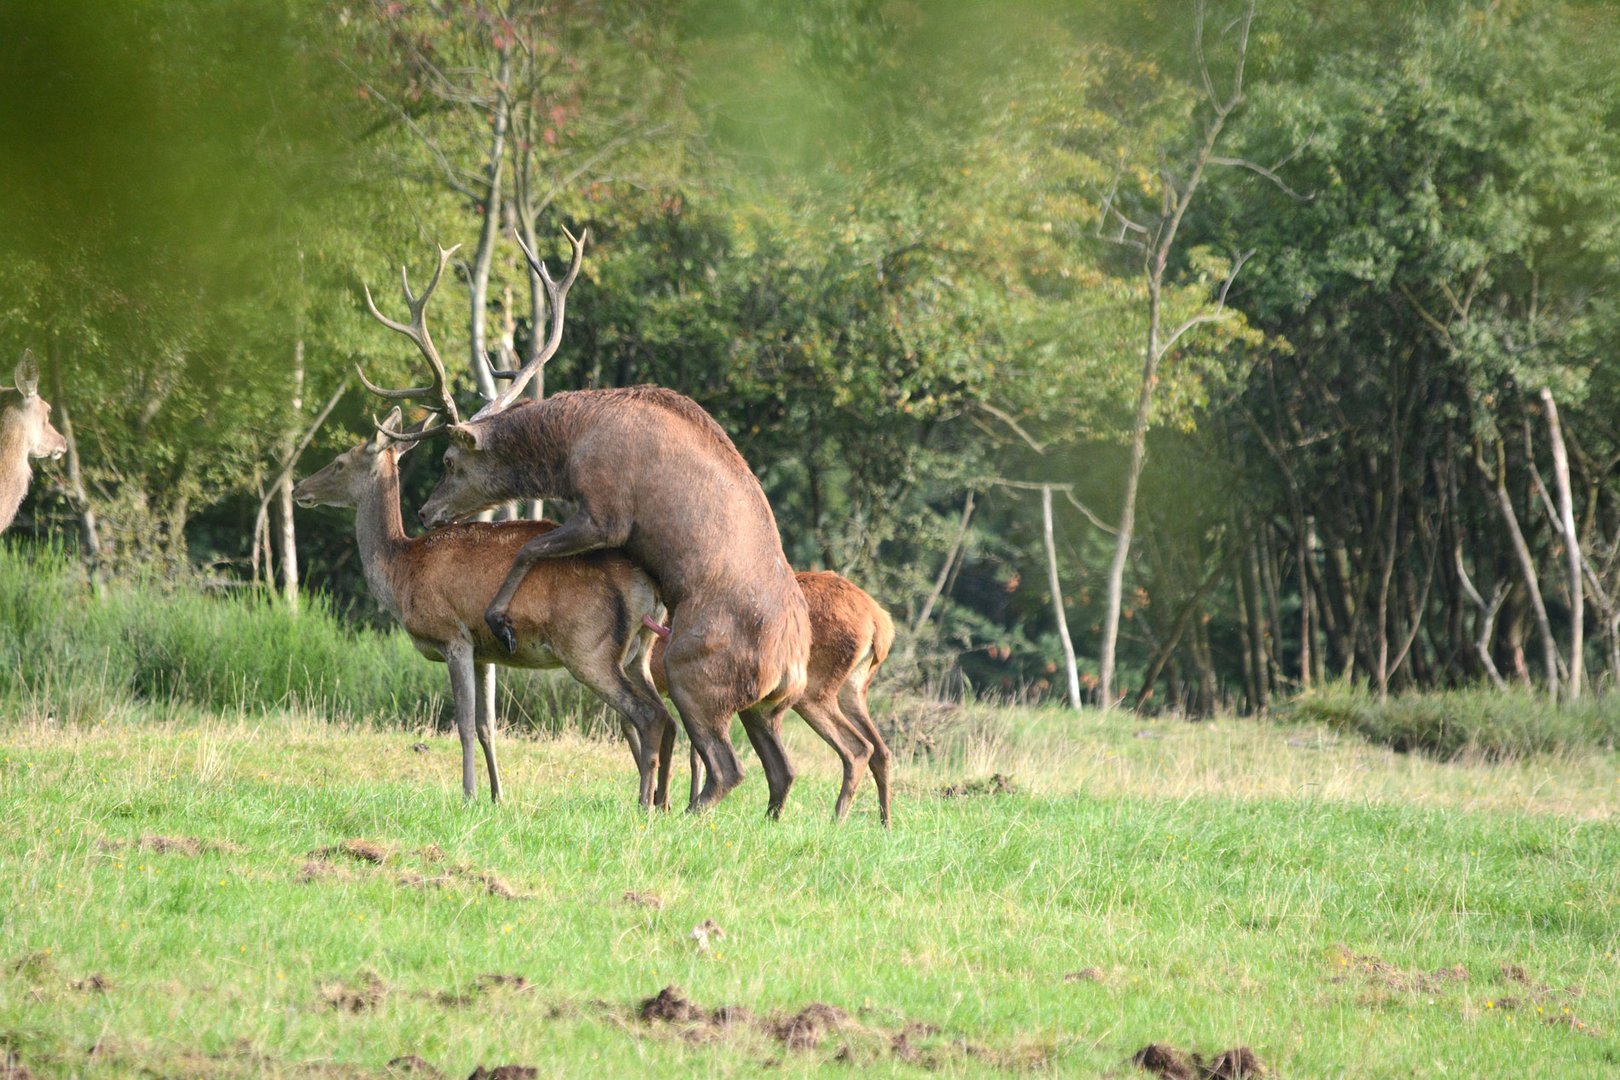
458	657
578	534
485	722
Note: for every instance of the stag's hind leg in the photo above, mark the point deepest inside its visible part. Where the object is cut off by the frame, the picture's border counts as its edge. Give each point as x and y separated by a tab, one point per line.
763	723
484	687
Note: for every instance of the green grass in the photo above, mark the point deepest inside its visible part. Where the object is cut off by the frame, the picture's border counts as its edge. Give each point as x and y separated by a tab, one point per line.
132	649
1477	722
1230	884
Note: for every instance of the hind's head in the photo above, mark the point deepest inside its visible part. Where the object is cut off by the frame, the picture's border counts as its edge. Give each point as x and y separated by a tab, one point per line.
25	412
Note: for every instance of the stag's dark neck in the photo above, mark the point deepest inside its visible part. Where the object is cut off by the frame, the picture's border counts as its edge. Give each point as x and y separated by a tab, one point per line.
380	530
533	439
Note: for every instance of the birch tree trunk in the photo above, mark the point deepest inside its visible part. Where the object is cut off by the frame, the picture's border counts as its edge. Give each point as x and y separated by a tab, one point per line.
285	529
1070	669
1572	543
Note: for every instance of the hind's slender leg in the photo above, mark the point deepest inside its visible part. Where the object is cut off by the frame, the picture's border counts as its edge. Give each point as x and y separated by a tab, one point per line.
458	657
852	701
847	742
485	724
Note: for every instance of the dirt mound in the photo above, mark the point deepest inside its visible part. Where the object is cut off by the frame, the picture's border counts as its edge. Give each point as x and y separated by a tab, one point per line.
505	1072
12	1068
355	999
494	886
366	851
431	853
411	1065
517	984
1378	970
93	984
670	1006
1169	1063
316	871
806	1029
1089	974
641	899
997	784
410	880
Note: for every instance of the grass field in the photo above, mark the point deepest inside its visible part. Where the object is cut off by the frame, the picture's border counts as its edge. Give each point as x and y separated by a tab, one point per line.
198	898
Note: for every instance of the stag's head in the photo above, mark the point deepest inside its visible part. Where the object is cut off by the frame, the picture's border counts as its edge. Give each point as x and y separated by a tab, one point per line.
349	476
28	415
473	479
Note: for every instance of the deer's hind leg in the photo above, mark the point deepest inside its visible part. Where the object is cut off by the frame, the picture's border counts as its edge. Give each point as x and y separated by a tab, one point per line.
485	723
852	748
763	723
852	701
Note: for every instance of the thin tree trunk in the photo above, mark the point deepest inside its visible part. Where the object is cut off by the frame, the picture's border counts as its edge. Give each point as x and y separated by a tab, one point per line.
1572	543
286	530
484	253
1306	631
1497	486
927	609
1070	668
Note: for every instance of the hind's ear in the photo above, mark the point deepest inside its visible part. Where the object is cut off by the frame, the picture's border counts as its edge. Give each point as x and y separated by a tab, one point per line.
467	436
27	374
380	441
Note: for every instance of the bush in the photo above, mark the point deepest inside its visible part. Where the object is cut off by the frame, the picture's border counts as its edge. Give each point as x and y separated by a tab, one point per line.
1493	724
83	654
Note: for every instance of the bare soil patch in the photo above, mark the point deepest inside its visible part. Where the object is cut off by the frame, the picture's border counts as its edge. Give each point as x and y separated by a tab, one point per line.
995	784
505	1072
1089	974
1383	973
367	994
321	871
12	1068
641	899
411	1065
421	747
432	853
1169	1063
93	984
366	851
806	1029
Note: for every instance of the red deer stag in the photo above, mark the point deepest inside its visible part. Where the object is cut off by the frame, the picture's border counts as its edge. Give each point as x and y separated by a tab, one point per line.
25	433
850	636
584	613
651	473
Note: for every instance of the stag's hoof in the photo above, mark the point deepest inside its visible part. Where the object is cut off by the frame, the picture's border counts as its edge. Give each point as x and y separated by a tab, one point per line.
501	627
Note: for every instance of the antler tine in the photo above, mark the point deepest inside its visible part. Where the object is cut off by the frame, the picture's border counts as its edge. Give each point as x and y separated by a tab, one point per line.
558	293
414	435
417	331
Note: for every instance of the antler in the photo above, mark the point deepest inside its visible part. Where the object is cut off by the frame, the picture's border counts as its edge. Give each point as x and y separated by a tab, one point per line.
417	331
558	292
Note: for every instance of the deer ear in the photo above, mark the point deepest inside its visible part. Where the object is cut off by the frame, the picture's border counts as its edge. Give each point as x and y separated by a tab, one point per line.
468	436
27	374
381	442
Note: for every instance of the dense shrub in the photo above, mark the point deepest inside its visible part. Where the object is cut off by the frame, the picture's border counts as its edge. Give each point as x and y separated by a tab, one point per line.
1489	723
84	654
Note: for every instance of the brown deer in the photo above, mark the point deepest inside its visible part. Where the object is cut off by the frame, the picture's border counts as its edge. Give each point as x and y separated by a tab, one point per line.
25	433
651	473
850	636
587	613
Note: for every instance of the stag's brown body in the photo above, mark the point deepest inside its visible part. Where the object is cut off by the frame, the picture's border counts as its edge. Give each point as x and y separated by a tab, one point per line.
850	637
583	613
651	472
26	432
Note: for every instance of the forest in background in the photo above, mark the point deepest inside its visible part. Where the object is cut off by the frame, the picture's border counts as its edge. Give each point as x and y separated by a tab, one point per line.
1313	300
